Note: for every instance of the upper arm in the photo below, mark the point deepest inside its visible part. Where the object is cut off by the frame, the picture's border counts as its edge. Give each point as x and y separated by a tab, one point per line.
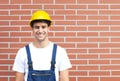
19	76
64	75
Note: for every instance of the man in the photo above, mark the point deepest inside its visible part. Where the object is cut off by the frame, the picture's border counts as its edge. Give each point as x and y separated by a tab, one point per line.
41	52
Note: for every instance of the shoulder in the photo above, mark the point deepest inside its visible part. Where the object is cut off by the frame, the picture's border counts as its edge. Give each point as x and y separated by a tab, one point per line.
22	52
59	48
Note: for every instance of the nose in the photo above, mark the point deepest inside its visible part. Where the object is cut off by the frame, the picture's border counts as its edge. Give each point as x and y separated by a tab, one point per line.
40	29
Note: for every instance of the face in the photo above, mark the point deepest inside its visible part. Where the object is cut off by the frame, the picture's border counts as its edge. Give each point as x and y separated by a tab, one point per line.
40	31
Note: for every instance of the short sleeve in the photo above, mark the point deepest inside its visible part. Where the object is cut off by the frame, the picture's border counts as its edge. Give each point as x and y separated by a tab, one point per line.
64	60
19	63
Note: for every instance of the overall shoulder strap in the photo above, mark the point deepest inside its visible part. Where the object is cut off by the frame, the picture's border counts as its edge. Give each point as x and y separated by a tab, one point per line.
53	57
30	67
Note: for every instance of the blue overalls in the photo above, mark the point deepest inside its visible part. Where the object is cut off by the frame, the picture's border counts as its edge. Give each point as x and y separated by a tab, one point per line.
41	75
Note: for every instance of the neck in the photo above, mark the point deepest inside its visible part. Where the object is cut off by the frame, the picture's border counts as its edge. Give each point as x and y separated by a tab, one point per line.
41	44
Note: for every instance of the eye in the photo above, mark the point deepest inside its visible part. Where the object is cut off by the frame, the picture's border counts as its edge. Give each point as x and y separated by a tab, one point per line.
43	27
36	27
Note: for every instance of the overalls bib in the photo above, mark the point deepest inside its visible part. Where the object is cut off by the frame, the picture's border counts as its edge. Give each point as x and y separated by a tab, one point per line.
41	75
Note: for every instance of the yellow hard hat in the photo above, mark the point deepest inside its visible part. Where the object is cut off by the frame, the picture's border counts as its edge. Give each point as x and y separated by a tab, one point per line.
40	15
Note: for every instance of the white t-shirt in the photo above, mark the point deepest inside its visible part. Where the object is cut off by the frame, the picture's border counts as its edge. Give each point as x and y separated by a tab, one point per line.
41	58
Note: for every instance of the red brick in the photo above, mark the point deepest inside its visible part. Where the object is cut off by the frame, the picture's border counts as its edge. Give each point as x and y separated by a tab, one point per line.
97	6
42	1
72	79
65	34
75	17
54	7
3	56
9	18
87	22
115	6
99	73
9	39
87	67
98	40
16	45
20	1
109	78
20	12
88	1
65	22
76	28
3	12
4	34
97	17
8	73
110	67
78	73
115	28
9	28
8	50
31	6
86	56
57	17
115	61
115	50
57	39
9	7
20	33
77	62
115	17
6	61
26	39
57	28
110	34
98	28
14	23
115	39
12	78
76	6
109	22
12	56
87	12
67	45
72	56
99	50
64	12
4	23
88	79
110	45
76	50
76	39
65	2
99	62
110	56
3	45
26	28
25	18
4	2
50	34
73	68
2	68
110	1
109	12
3	78
87	45
87	34
115	73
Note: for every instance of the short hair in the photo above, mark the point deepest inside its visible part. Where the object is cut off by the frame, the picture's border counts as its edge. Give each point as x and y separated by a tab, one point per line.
48	22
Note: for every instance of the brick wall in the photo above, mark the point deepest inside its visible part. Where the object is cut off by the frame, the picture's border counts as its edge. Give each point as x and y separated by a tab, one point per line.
88	29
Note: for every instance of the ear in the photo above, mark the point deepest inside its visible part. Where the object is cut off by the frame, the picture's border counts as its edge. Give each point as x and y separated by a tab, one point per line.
49	28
